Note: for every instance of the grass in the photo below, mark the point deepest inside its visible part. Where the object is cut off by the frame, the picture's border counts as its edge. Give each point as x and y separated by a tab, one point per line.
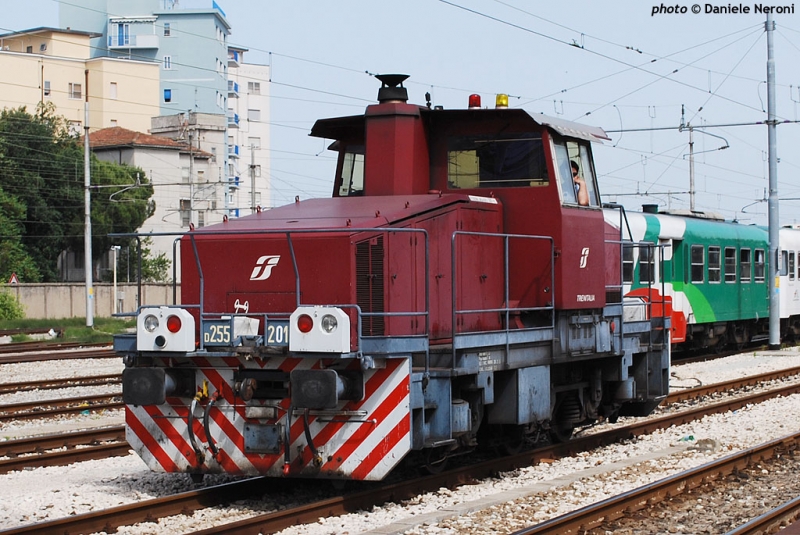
75	329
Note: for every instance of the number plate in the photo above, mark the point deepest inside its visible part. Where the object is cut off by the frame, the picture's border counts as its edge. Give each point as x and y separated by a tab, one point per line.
217	333
277	333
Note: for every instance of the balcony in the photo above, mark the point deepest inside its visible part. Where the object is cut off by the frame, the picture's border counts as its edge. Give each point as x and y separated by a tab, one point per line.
132	41
233	151
233	58
233	89
233	119
233	182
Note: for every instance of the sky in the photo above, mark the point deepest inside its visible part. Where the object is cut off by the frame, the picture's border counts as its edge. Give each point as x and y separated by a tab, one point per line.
637	69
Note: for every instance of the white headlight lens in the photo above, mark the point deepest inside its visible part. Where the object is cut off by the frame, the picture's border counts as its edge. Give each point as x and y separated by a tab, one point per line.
150	323
329	323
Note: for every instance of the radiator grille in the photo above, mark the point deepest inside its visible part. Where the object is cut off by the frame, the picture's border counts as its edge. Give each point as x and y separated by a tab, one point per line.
369	284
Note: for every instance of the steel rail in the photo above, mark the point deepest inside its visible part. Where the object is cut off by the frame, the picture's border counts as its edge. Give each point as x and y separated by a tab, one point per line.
610	509
771	521
13	358
61	458
67	382
54	407
35	444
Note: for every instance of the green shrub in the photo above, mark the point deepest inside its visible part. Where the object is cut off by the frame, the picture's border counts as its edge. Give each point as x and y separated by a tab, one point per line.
10	308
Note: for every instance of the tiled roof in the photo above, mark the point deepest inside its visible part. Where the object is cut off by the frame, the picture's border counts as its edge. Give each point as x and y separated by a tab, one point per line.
116	136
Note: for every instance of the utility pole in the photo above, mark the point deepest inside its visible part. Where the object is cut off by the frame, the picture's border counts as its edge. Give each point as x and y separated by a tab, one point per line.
87	210
774	221
191	172
252	179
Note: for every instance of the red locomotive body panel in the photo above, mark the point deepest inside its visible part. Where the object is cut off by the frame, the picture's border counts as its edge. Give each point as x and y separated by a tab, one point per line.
255	270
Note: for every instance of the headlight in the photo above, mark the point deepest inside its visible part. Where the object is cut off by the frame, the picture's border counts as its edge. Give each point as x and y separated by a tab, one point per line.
150	323
329	323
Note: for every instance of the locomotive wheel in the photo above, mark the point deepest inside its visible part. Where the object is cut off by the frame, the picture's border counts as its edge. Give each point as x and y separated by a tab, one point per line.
435	460
561	432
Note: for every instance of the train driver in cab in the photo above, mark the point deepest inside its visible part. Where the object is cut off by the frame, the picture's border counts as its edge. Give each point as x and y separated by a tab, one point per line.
581	193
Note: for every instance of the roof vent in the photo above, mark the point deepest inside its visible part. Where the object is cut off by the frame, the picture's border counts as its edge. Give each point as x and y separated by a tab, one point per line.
392	88
650	208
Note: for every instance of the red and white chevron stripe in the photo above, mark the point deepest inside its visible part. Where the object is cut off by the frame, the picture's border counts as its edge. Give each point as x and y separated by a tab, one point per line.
363	447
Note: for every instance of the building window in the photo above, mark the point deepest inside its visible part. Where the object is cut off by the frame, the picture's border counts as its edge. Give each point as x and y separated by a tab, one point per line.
714	264
201	219
75	91
185	175
168	95
167	29
29	50
730	264
254	115
47	88
112	90
43	47
74	128
254	88
254	143
698	264
258	198
186	212
167	63
744	265
113	122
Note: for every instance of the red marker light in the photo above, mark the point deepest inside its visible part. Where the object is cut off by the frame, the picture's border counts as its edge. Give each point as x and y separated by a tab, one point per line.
474	102
173	324
305	323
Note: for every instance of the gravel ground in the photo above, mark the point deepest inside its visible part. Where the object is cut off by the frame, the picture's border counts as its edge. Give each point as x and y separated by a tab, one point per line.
490	506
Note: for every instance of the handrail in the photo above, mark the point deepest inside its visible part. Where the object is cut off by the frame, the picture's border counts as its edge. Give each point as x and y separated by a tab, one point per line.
506	309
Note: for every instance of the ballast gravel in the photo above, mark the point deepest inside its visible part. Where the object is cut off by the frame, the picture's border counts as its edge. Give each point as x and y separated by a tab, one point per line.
496	505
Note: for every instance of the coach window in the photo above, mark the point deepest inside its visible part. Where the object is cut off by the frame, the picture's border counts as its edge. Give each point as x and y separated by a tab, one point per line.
698	264
759	266
713	264
483	162
744	263
783	269
730	264
646	264
570	154
791	265
627	263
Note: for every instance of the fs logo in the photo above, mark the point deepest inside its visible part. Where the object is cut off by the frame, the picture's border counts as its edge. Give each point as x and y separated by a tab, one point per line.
584	257
264	266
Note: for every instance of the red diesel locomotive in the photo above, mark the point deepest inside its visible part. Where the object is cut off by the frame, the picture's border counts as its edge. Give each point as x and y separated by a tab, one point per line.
460	288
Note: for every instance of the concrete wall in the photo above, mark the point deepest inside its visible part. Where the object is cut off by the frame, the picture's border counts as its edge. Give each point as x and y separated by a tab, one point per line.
66	300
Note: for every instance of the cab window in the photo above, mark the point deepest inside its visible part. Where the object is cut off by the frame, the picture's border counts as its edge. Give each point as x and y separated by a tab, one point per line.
492	162
575	171
352	178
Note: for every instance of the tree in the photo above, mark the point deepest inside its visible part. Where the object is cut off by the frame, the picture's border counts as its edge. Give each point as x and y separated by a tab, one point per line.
13	256
42	171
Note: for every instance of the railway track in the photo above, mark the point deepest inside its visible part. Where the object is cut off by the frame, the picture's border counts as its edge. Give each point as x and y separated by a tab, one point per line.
57	407
28	356
110	519
53	384
63	448
23	347
600	514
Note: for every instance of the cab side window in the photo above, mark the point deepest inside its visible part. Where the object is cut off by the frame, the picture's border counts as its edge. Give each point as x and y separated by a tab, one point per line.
491	162
576	173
